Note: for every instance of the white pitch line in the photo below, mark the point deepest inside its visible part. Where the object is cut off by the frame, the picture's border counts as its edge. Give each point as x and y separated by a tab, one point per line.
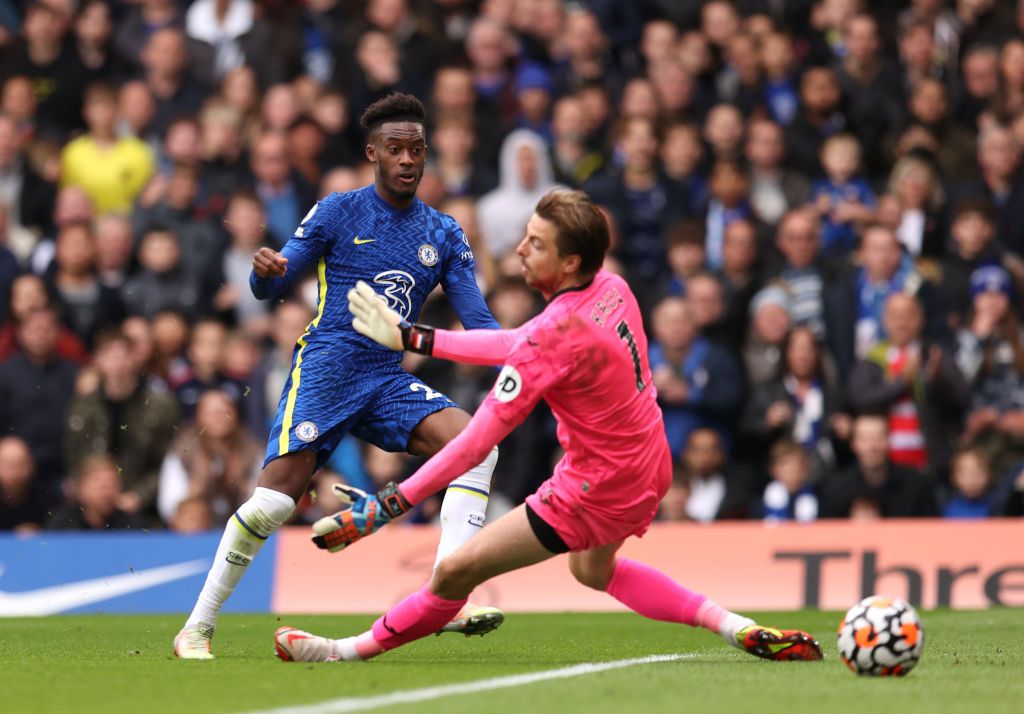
408	696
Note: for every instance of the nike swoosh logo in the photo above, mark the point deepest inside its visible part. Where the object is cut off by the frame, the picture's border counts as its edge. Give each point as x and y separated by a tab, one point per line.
67	596
361	241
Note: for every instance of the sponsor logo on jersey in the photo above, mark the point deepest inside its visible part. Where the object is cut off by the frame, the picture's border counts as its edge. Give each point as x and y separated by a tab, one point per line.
509	384
398	286
237	558
306	431
427	255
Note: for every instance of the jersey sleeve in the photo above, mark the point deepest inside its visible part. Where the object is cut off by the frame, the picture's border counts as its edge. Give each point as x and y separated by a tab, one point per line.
490	347
459	281
309	241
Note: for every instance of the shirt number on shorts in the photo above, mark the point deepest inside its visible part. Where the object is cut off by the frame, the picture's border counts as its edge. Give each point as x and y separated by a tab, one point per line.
428	393
627	336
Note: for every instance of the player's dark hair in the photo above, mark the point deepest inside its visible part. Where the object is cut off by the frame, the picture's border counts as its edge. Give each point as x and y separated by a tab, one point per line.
394	107
582	228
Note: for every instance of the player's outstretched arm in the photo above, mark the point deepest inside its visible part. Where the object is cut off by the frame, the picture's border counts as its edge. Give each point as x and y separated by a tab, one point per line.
374	319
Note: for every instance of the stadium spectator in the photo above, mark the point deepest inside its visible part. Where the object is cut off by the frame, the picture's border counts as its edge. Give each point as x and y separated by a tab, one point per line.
112	170
740	280
26	198
526	175
780	87
165	61
686	253
246	228
681	155
161	283
213	456
971	246
916	383
771	312
99	502
980	70
85	304
36	385
206	361
971	479
727	202
453	147
93	38
25	502
843	198
802	403
899	492
802	272
283	193
789	495
28	293
718	489
706	298
115	246
916	185
991	355
775	188
699	383
123	420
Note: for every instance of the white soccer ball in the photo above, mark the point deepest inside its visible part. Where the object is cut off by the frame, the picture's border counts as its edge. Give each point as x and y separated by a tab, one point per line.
881	636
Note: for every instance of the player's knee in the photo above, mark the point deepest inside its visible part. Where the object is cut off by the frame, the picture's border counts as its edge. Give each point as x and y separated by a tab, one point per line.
592	574
453	578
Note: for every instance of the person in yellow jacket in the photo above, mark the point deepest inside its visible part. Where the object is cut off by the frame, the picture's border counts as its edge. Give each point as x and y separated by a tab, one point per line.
111	169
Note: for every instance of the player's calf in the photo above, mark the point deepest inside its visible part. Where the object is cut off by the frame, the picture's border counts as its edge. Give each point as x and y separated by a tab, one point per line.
366	514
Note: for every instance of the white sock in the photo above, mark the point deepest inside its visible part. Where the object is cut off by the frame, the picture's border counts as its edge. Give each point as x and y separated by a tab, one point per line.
346	649
465	505
246	532
731	626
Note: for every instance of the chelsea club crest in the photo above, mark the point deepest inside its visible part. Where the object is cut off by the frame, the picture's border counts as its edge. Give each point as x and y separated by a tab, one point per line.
307	431
428	255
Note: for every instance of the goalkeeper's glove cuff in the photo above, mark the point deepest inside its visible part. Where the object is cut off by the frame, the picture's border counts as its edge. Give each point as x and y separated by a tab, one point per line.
392	501
416	337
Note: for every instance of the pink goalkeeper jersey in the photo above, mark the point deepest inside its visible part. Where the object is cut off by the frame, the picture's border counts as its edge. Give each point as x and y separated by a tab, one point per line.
586	355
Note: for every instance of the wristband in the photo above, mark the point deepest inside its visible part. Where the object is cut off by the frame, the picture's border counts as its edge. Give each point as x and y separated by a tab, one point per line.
392	500
417	338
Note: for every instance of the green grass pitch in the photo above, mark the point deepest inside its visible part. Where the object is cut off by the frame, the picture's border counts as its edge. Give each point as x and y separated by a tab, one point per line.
973	662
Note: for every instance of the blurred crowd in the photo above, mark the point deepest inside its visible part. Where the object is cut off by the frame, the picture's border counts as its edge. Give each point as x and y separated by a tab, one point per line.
818	203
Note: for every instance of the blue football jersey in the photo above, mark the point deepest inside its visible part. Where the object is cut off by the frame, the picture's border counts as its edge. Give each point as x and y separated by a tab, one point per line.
403	254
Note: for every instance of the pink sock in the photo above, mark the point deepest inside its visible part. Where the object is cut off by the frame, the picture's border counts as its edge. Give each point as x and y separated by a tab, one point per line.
653	594
422	613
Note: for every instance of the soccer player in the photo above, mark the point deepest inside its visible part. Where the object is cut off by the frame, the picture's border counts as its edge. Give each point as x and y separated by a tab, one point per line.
344	382
586	354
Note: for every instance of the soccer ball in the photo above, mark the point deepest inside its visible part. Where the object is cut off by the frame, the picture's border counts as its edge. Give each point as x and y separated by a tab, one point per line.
881	636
